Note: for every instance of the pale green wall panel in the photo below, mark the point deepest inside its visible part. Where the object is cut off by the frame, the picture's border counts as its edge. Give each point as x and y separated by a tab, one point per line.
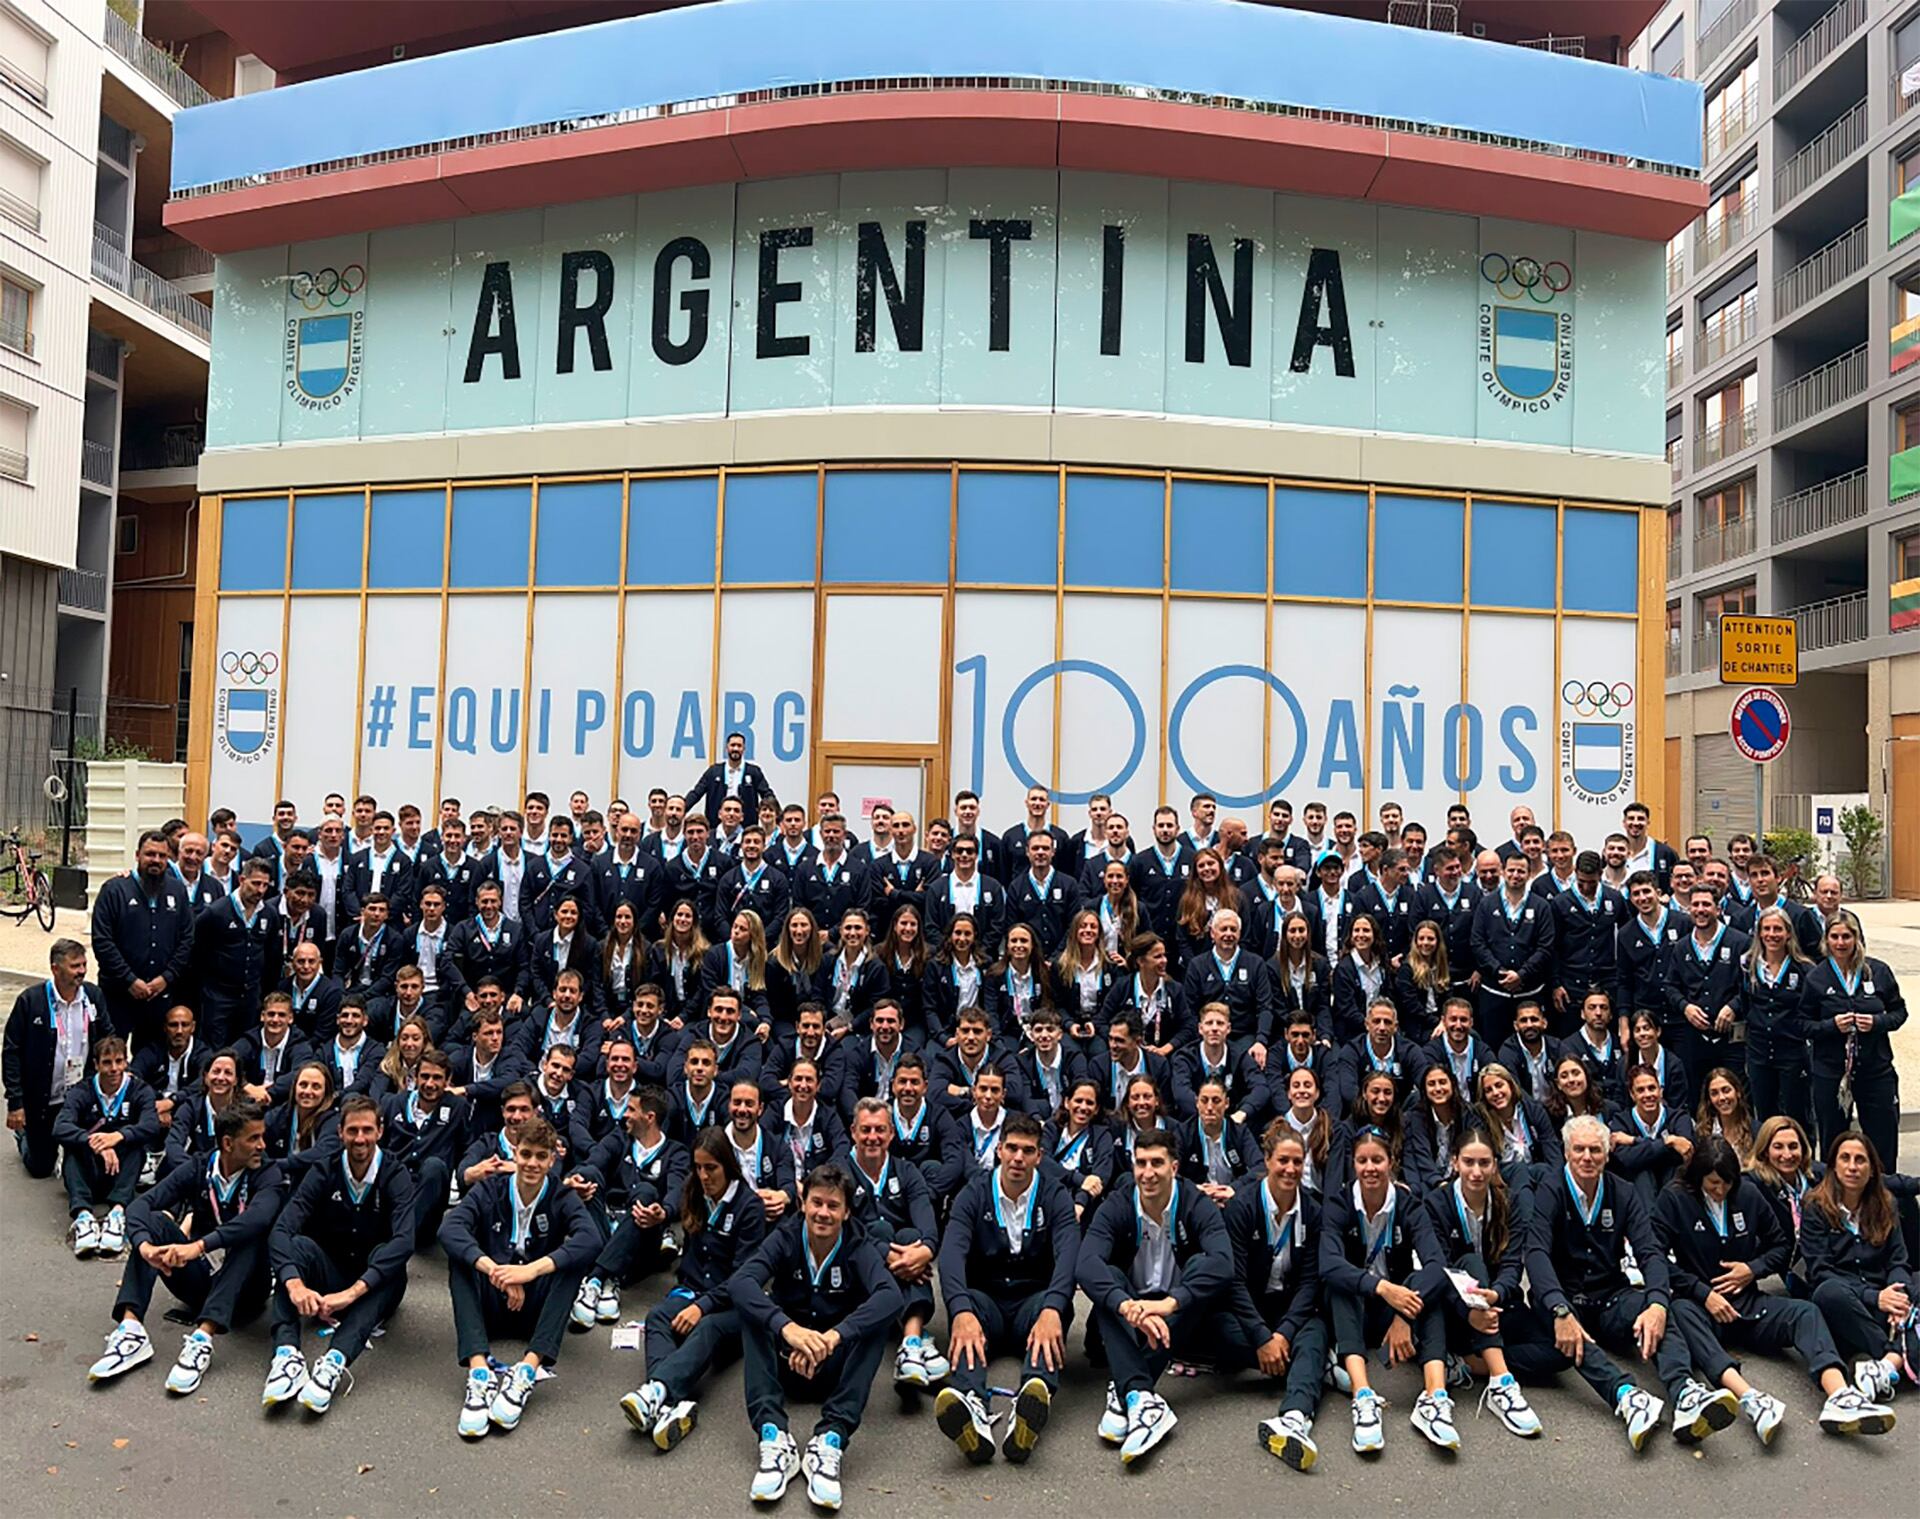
1135	377
885	375
249	327
407	319
1620	401
803	375
692	379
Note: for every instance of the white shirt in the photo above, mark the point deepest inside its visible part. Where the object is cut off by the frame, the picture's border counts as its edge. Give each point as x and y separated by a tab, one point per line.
379	864
1153	1260
523	1212
1013	1215
512	869
1278	1228
71	1023
965	895
329	873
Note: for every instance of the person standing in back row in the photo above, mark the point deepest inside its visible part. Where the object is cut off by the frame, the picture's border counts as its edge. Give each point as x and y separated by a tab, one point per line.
143	941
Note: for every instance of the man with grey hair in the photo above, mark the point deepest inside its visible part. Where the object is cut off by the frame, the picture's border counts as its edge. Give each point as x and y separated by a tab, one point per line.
48	1047
1584	1223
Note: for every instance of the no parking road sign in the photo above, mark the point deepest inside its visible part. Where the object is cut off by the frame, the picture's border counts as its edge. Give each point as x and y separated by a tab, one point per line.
1760	724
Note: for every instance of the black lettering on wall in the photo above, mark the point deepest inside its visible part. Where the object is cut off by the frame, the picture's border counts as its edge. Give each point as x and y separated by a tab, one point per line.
496	306
1204	287
873	264
1324	282
776	292
1113	261
696	303
1000	234
592	317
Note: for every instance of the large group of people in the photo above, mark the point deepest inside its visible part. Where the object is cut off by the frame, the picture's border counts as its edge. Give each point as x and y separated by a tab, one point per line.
1294	1104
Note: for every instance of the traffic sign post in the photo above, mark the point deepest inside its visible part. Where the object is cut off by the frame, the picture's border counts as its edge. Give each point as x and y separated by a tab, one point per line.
1759	648
1760	726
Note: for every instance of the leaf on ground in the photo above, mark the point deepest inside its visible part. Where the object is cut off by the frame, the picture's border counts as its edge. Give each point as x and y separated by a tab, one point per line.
363	1468
33	1339
73	1445
122	1443
53	1471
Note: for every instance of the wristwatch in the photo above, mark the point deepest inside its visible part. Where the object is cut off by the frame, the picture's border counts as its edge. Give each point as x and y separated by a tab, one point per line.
1562	1311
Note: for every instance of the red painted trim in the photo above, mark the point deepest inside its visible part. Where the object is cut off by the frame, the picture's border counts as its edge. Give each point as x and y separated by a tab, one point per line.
946	129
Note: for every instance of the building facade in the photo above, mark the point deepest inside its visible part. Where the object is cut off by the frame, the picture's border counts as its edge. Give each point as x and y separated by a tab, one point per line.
1793	423
950	434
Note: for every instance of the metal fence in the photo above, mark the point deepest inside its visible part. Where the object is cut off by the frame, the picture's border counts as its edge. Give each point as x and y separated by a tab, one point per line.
1728	540
1827	624
1734	325
154	62
40	729
1821	506
1713	238
1730	23
1816	42
96	462
85	589
112	266
1732	435
1820	271
1822	156
1835	381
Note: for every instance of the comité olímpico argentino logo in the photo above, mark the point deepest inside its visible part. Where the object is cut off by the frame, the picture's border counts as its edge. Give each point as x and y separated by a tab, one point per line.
1596	740
246	705
1526	345
323	351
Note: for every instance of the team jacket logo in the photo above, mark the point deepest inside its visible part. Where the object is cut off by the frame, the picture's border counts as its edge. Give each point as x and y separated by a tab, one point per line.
1596	755
1526	346
324	351
246	709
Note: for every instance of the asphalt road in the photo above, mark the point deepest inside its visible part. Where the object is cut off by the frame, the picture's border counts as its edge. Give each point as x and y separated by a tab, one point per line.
389	1448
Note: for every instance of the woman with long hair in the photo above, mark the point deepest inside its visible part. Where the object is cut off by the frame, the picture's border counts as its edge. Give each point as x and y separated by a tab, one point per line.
1782	1164
623	965
1857	1264
1081	1145
956	979
673	964
1723	1110
1375	1106
1215	1152
190	1134
697	1328
741	963
1301	978
1423	982
307	1132
1481	1227
1849	1004
1359	978
1769	1003
1019	985
903	956
1645	1047
794	970
1118	912
1574	1094
1151	992
1524	1137
1208	892
856	979
1434	1126
1141	1111
1722	1238
402	1061
1082	977
1307	1117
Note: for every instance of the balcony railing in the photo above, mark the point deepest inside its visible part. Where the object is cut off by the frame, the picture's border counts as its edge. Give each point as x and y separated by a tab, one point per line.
1716	545
103	355
1835	381
85	589
172	448
1904	92
1820	507
111	266
154	62
13	464
96	463
1821	156
1673	559
181	261
1820	271
1732	435
1675	657
1713	238
1676	366
1675	466
1738	323
1730	23
1734	126
1706	649
1676	269
17	335
1816	42
1827	624
17	208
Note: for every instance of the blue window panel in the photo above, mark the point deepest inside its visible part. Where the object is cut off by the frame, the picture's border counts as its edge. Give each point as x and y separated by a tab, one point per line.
327	541
1319	542
1602	561
670	527
887	526
491	524
1512	554
1009	529
1219	537
1419	544
1116	531
770	523
253	545
579	534
409	533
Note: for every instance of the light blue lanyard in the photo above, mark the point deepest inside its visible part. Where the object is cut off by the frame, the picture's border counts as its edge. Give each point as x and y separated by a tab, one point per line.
1850	984
1587	1214
110	1110
518	1237
1026	1212
357	1191
1694	943
643	1158
900	1127
1173	1213
1716	1215
1067	1151
1385	1235
1473	1236
1659	1123
815	1273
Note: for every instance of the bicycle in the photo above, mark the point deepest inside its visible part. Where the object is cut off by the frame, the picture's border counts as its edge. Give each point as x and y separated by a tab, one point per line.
24	886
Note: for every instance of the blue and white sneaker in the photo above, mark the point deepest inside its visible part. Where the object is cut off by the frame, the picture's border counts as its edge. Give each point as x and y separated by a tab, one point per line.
642	1406
510	1402
1764	1412
1875	1380
607	1310
822	1466
1290	1437
286	1377
196	1355
1510	1406
910	1366
473	1407
1701	1410
1433	1416
1113	1421
324	1380
963	1419
127	1347
1150	1419
1640	1411
675	1423
586	1305
779	1465
1368	1437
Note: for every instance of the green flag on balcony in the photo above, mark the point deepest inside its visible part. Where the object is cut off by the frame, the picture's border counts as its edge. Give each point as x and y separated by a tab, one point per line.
1903	216
1903	474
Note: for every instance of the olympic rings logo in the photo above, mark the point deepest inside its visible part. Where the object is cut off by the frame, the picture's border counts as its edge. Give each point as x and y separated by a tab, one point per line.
1595	698
254	669
1525	277
330	287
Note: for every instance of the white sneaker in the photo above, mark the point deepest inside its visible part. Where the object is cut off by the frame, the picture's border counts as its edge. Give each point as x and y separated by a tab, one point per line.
1149	1421
909	1365
510	1402
1368	1436
286	1377
963	1419
1640	1411
85	1232
1874	1380
127	1347
1290	1437
644	1405
1700	1410
1510	1406
474	1405
1764	1412
779	1465
1433	1416
586	1305
822	1466
1032	1407
196	1355
1847	1413
1113	1422
329	1371
607	1310
937	1367
113	1231
675	1424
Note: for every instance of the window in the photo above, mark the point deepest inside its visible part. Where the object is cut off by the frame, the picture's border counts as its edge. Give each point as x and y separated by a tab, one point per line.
1727	418
1731	215
23	55
1906	426
1725	328
126	534
16	314
1903	337
15	421
1906	170
1906	556
1670	52
19	183
251	76
183	691
1733	601
1731	503
1733	109
1676	354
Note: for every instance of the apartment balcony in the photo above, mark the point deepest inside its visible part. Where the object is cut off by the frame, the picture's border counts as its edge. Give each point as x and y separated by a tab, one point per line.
96	463
1903	474
1822	156
1676	367
1717	545
1733	128
1835	381
1816	43
154	63
1903	345
1676	270
1727	439
1903	93
1676	465
113	267
1706	650
83	590
1831	624
1820	271
1819	507
1730	23
1739	326
13	464
1676	658
1713	238
1674	564
103	355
